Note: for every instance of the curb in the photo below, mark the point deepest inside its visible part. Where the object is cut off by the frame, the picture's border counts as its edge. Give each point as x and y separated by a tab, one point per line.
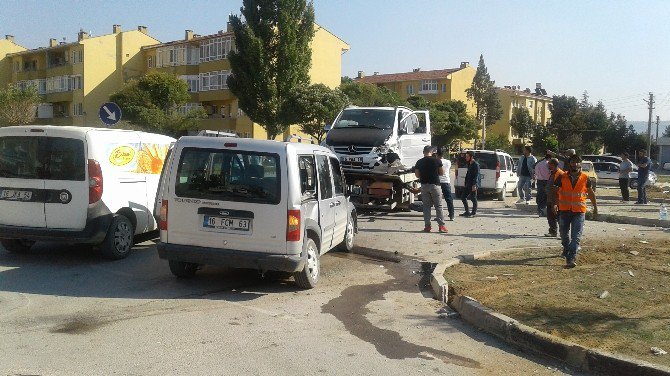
522	336
609	218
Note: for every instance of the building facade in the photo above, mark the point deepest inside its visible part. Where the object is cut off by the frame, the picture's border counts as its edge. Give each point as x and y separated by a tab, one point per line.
76	78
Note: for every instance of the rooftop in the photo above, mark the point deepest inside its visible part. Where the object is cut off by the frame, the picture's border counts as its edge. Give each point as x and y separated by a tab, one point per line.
415	75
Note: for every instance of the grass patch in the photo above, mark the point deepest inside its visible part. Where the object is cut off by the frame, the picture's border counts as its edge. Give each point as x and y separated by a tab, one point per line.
533	287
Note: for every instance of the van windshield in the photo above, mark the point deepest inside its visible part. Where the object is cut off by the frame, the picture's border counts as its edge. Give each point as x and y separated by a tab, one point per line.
366	118
48	158
487	161
229	175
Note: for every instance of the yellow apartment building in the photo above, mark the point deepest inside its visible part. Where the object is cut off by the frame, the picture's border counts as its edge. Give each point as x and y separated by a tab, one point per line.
202	61
7	46
76	78
434	85
512	97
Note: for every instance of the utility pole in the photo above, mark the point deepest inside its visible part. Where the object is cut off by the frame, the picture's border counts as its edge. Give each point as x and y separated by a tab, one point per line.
658	120
483	129
651	109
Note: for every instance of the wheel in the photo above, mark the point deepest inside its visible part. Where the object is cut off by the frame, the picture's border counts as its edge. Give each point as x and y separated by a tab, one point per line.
515	193
347	244
308	277
633	184
17	245
503	193
183	269
119	239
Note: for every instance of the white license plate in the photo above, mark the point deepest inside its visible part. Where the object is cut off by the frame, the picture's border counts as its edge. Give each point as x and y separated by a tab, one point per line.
352	159
11	194
228	224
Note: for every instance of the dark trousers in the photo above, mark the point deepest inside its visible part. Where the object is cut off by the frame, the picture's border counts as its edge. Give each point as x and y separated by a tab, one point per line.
623	184
541	197
446	192
642	189
552	219
468	194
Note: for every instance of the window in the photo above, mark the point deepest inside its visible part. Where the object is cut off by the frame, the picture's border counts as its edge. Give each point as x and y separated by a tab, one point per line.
50	158
228	175
410	89
77	57
151	63
216	48
501	161
75	82
429	85
444	88
58	84
325	183
411	124
356	117
307	177
338	178
216	80
17	66
173	56
77	109
530	104
193	82
30	65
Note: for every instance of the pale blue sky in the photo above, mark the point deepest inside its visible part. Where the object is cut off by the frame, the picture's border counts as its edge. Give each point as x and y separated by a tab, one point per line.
616	50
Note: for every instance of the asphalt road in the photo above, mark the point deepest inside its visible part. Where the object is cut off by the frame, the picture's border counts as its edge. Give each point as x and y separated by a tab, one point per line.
63	310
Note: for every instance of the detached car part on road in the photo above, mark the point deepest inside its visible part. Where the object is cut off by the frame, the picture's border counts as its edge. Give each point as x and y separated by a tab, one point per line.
242	203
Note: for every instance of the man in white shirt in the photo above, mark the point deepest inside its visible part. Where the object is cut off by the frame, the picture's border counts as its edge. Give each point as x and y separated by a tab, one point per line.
445	183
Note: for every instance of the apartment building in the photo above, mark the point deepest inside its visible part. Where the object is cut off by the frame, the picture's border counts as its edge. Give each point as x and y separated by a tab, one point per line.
202	61
513	97
7	46
75	78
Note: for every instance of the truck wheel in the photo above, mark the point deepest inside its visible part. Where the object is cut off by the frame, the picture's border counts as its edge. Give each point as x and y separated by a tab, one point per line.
308	277
17	245
347	244
183	269
503	193
119	239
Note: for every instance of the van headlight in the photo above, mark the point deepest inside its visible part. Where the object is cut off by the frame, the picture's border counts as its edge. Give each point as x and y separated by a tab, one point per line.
383	149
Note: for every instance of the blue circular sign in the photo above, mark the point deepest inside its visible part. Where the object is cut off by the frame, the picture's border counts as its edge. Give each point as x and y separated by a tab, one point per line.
110	113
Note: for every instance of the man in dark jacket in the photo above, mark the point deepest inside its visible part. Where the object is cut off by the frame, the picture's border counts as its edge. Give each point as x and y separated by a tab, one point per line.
428	169
471	184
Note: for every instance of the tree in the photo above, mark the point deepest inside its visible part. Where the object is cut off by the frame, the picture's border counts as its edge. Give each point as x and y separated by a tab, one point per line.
522	123
272	58
543	140
450	122
498	142
315	106
578	125
615	134
666	133
152	102
483	92
18	106
362	94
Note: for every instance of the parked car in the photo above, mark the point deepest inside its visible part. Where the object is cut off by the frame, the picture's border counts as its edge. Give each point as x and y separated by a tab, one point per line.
497	173
78	185
244	203
602	158
608	173
590	171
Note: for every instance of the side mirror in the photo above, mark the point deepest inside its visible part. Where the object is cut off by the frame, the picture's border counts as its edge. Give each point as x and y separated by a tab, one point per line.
327	127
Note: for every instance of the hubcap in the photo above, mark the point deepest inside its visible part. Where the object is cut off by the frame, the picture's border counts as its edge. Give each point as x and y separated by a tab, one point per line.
350	234
312	262
122	237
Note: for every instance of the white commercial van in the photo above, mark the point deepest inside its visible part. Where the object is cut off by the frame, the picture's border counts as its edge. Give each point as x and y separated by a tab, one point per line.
78	185
496	172
243	203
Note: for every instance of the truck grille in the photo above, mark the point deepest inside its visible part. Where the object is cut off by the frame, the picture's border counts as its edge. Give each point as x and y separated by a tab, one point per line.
352	150
349	165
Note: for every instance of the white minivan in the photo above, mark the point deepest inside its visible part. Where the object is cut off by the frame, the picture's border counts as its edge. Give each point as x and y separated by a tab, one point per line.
78	185
257	204
496	172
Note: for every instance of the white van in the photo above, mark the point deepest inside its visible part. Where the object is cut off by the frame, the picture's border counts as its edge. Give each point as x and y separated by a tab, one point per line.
78	185
496	170
255	204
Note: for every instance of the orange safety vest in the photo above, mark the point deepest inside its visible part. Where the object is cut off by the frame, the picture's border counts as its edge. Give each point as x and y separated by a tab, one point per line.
573	198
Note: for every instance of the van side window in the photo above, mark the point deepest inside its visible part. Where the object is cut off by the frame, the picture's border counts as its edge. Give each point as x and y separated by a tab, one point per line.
307	171
338	179
325	182
501	162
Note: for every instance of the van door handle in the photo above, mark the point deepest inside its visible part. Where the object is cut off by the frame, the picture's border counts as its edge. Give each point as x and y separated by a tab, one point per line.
332	204
337	203
424	139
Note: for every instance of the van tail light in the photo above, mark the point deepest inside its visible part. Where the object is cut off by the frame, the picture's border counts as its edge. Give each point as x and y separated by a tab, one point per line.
293	226
497	171
94	181
163	224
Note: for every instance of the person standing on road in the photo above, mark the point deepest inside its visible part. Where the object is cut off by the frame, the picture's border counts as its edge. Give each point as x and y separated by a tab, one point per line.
643	164
542	174
526	174
572	188
552	215
428	169
471	184
625	168
445	183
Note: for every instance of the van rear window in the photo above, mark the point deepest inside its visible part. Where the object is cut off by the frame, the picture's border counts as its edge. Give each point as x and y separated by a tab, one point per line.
48	158
486	161
229	175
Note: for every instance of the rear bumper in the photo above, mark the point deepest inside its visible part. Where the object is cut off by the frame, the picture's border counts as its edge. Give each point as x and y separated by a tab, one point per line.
94	232
230	258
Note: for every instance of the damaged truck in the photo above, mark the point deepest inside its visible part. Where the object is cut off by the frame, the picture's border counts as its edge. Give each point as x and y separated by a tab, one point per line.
378	148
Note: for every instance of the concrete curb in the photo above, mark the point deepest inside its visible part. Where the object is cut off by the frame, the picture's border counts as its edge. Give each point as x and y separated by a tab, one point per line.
609	218
517	334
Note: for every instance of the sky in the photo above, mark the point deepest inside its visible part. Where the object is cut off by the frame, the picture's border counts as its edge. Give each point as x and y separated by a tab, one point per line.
617	51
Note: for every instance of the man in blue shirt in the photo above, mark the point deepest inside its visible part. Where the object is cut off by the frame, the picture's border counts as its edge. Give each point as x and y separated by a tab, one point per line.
643	164
526	172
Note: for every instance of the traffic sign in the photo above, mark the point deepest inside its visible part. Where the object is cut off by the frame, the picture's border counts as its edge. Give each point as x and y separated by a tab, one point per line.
110	113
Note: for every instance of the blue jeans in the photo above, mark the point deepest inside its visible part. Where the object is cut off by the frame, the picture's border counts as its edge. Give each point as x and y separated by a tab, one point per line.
642	189
446	192
541	197
523	187
571	226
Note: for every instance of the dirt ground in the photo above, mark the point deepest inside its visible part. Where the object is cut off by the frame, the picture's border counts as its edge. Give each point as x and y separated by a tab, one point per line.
533	287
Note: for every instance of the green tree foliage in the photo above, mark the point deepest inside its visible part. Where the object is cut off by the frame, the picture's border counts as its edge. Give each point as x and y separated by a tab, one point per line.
315	106
666	133
449	120
498	142
521	122
578	125
485	95
151	103
272	58
543	140
18	106
362	94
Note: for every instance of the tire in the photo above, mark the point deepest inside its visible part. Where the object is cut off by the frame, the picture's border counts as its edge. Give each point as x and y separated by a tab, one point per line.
347	244
515	193
633	184
503	193
119	239
183	269
17	245
308	277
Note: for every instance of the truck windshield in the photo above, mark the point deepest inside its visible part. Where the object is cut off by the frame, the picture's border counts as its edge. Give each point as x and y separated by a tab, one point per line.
366	118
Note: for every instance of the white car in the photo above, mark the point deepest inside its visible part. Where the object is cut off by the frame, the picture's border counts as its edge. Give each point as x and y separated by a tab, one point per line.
78	185
244	203
608	174
497	173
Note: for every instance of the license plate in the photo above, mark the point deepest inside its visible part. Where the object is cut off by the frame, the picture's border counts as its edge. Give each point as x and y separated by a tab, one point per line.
352	159
227	224
11	194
